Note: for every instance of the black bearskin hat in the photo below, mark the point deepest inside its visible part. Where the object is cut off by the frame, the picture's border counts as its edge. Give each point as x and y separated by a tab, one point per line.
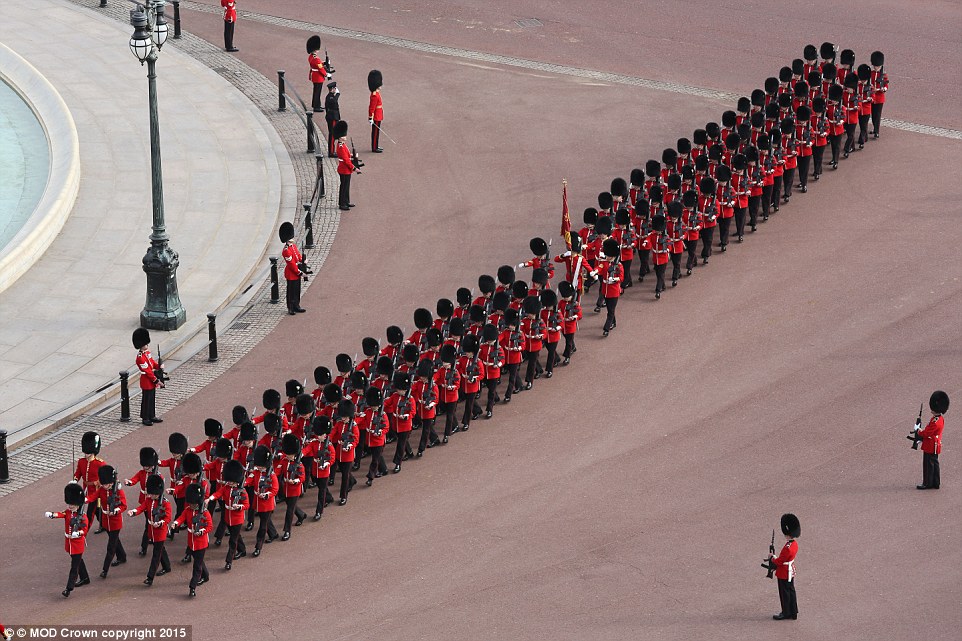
699	137
519	289
456	328
758	120
73	494
422	318
90	443
239	415
827	51
321	425
619	187
739	162
590	217
804	113
374	80
743	105
340	129
332	393
603	226
194	494
801	89
674	181
810	52
655	194
701	163
605	201
191	463
637	177
512	317
669	157
402	381
140	337
448	353
344	363
384	366
575	243
658	223
818	105
463	296
262	456
784	100
675	209
791	526
292	388
476	313
394	334
877	58
290	444
177	443
345	409
539	276
652	168
751	154
723	174
506	274
213	428
490	333
286	232
939	402
611	249
233	472
435	337
712	129
248	431
758	98
223	448
313	44
771	85
374	397
798	67
785	74
835	92
732	141
304	404
370	346
469	344
829	72
864	72
538	246
566	289
154	484
410	353
690	199
707	185
271	399
149	457
444	308
683	146
622	217
846	57
531	305
487	284
105	474
425	369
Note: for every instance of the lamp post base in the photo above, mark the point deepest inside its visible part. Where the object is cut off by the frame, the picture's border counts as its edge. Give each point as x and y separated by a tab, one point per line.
163	310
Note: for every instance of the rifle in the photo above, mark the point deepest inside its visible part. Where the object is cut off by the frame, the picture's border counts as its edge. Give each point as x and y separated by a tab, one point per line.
159	370
914	436
328	67
769	564
354	159
113	497
347	437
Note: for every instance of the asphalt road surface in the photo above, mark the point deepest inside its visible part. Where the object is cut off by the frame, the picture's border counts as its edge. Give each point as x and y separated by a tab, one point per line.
632	495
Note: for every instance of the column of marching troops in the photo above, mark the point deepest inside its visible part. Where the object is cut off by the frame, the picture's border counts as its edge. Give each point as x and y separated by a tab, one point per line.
447	373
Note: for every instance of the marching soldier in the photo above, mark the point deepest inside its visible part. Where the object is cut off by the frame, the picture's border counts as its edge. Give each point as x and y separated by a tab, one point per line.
263	481
87	472
292	389
625	235
332	114
321	451
376	428
345	165
931	438
425	393
570	310
75	526
245	456
318	72
230	19
659	253
234	503
553	324
198	523
214	471
149	464
577	269
177	445
193	469
492	358
159	514
676	237
448	381
469	368
149	381
512	341
345	436
113	503
290	474
708	216
213	430
542	258
533	331
864	93
880	85
785	568
293	269
375	109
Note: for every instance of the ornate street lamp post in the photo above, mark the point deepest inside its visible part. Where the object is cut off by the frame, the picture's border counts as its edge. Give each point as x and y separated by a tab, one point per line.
163	309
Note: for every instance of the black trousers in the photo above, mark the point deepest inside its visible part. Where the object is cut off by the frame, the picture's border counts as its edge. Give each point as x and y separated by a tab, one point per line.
115	548
660	277
344	190
375	134
514	379
92	513
159	557
148	400
449	410
777	191
347	478
292	511
818	154
553	353
143	539
753	203
402	447
569	345
691	246
316	96
930	470
787	182
236	542
877	117
740	221
627	265
293	294
228	35
724	225
786	595
471	408
222	524
836	143
766	201
531	358
378	466
330	137
612	303
643	267
324	495
850	137
77	569
675	266
428	435
707	235
250	510
804	165
863	128
492	385
200	568
265	528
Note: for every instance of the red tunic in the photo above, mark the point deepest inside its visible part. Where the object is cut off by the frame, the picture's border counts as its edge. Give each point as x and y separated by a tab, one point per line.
448	380
318	72
315	448
113	520
87	473
235	503
160	510
932	435
291	258
512	342
420	389
492	357
785	561
230	11
345	449
553	325
293	482
197	532
611	275
146	364
571	313
375	108
71	544
263	496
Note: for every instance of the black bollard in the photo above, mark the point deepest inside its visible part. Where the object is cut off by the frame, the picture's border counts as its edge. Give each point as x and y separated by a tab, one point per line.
124	398
212	337
319	159
309	225
275	293
103	3
176	19
281	98
310	131
4	466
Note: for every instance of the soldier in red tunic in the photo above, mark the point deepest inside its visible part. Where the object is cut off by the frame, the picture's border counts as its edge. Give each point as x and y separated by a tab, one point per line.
345	166
149	464
196	519
376	428
234	503
375	109
294	269
322	454
230	19
75	526
86	473
159	513
290	475
149	381
345	436
263	482
113	504
880	85
425	393
318	73
931	439
784	565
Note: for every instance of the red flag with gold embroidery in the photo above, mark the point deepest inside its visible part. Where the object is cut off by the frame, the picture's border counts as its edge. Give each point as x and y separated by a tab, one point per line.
565	218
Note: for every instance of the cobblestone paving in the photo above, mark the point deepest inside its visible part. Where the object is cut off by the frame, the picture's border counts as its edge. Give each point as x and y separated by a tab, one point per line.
53	451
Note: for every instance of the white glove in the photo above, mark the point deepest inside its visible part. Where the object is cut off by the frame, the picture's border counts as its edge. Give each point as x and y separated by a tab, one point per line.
76	535
566	254
371	121
49	515
520	265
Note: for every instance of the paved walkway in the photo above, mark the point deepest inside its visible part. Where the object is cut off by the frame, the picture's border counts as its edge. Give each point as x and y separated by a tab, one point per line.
65	326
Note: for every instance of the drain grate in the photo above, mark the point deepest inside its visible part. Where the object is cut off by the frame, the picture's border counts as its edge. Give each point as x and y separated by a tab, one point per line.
239	326
526	23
